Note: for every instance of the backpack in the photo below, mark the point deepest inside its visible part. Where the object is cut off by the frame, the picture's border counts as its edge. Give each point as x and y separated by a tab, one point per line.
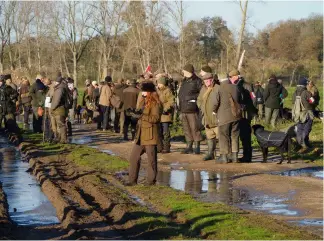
259	97
68	100
235	107
299	115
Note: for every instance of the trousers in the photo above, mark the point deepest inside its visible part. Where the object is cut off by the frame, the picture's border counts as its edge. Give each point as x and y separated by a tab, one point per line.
135	163
229	138
190	125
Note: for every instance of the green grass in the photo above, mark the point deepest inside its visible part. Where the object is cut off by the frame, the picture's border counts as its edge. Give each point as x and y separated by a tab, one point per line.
92	158
80	154
215	220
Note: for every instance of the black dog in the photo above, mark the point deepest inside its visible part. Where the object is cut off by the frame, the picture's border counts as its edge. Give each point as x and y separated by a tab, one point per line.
281	140
78	113
69	128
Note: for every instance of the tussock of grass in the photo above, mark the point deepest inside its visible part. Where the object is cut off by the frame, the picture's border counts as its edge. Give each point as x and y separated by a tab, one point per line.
89	157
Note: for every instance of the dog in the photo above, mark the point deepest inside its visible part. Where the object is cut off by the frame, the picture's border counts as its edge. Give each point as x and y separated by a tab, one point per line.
278	139
286	114
78	113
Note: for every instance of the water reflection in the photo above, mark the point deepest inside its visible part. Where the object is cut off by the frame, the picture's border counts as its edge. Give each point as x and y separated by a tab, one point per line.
316	172
27	204
217	187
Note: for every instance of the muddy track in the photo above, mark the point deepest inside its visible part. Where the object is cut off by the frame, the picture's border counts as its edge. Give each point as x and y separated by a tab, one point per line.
91	204
6	224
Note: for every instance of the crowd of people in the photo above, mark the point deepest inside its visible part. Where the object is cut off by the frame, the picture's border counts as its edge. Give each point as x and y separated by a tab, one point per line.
224	105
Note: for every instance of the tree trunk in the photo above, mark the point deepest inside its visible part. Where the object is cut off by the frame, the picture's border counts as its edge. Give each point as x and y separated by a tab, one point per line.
65	64
38	57
221	62
12	66
241	37
75	68
293	76
226	58
99	66
19	56
29	55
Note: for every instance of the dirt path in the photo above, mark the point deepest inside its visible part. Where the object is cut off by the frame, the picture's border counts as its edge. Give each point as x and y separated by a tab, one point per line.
307	197
114	143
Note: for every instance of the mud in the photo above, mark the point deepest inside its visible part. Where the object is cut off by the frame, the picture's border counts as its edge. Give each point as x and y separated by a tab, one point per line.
256	185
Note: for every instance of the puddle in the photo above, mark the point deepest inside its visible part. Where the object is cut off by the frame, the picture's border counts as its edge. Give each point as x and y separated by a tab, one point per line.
309	222
217	187
316	172
108	152
104	150
80	141
27	203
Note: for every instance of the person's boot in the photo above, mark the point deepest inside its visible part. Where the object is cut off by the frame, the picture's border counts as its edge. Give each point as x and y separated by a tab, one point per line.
197	147
166	148
245	159
188	149
125	137
234	157
222	159
211	148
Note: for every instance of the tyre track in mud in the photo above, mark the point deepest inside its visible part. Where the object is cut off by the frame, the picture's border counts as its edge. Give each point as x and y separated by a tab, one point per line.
91	205
6	224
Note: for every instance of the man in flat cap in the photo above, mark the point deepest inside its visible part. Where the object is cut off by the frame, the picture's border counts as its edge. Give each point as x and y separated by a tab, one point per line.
248	113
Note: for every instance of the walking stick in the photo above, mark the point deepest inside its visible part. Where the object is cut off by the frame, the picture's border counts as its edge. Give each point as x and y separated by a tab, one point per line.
44	125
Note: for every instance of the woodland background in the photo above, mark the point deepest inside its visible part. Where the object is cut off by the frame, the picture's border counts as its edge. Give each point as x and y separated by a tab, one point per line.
120	38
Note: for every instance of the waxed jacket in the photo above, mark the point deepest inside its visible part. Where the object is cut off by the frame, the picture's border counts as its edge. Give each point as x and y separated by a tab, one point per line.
167	101
147	130
206	101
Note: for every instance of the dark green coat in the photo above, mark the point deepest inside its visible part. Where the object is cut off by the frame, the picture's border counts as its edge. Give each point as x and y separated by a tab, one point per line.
38	94
273	94
8	98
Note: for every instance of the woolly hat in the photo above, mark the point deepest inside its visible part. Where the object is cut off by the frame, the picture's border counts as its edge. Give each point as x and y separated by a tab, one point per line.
234	73
162	80
94	83
207	76
273	77
70	80
189	68
302	81
5	76
206	69
108	79
148	86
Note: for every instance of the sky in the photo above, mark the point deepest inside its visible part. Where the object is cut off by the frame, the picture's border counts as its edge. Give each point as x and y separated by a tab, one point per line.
260	13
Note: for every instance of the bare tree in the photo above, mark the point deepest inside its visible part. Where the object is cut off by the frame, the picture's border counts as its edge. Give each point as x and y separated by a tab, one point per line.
73	19
241	36
108	24
177	12
6	19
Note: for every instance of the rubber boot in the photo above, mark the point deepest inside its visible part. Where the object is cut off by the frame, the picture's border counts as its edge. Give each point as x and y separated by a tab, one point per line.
222	159
234	157
197	147
211	148
188	149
